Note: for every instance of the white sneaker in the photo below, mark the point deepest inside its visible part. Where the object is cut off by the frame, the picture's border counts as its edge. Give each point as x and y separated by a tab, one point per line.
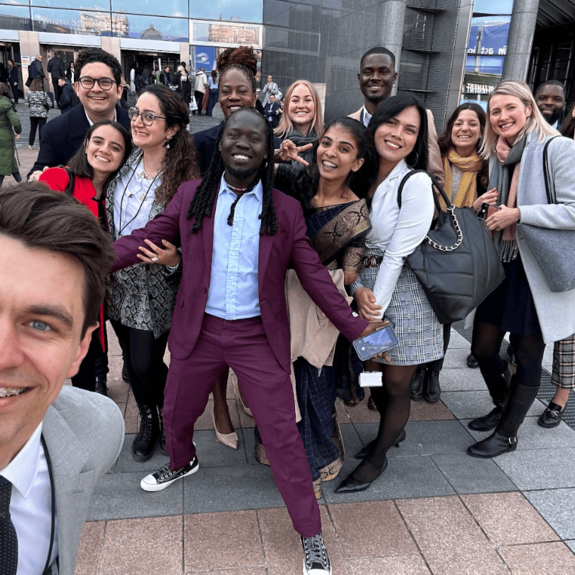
164	477
315	559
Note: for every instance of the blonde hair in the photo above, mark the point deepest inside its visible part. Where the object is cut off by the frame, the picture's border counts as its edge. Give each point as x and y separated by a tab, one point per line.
286	126
536	122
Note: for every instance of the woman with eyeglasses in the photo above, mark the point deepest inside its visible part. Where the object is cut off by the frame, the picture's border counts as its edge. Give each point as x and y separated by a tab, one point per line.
141	299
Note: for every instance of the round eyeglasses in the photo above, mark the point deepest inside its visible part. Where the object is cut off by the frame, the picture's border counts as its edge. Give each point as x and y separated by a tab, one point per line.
147	117
88	83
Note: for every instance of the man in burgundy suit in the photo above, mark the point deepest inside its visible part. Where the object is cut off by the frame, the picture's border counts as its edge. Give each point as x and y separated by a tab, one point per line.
239	236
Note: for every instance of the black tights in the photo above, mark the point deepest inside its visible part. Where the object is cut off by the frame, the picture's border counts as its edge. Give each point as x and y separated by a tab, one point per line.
528	351
144	360
393	403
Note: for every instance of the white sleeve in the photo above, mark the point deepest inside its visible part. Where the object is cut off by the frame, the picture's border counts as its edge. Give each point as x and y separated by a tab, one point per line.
413	223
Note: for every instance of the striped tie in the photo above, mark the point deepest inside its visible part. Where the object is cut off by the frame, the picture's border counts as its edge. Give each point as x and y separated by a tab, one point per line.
8	538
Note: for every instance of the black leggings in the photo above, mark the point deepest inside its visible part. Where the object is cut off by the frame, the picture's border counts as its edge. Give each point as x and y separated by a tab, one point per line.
528	351
95	364
144	360
36	122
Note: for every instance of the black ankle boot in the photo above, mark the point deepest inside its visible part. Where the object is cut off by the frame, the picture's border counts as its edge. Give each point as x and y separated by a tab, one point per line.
497	387
162	438
432	392
145	441
504	438
101	386
417	383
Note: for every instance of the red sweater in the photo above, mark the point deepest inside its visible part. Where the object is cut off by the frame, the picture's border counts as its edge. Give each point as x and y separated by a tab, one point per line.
57	179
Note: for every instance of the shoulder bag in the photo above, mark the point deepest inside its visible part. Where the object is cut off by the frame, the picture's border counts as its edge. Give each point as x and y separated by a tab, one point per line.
457	263
552	248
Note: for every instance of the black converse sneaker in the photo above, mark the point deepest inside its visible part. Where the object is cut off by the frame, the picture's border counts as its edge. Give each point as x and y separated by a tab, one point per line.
165	476
315	560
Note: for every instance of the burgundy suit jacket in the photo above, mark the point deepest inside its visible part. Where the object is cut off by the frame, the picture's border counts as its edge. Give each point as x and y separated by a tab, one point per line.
289	247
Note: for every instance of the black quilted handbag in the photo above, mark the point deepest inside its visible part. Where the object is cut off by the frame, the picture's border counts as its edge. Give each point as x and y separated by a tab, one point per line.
457	263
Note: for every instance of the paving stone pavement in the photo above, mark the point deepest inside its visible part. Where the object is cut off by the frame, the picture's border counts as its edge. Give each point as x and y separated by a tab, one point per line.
434	511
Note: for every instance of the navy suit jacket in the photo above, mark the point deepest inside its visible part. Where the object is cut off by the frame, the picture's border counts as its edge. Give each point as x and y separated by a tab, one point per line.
270	110
63	136
289	247
205	142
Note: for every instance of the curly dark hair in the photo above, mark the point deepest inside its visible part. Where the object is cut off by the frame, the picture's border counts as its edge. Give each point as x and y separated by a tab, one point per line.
180	164
242	58
203	202
306	182
79	165
92	55
445	143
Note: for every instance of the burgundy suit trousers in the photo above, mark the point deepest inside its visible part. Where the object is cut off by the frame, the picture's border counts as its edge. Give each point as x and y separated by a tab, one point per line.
243	346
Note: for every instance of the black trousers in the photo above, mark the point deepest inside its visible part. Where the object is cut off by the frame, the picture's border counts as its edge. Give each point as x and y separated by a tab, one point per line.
95	364
36	122
144	360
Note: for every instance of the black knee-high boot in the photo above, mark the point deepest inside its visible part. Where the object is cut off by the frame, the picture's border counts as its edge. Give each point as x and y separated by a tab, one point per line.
504	438
497	386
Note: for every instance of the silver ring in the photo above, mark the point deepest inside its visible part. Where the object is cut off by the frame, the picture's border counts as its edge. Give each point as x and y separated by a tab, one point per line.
156	259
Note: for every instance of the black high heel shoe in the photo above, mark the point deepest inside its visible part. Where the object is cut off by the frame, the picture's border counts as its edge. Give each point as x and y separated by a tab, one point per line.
362	453
351	485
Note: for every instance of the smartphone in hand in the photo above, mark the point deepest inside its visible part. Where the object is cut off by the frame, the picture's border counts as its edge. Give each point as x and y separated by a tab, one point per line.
377	342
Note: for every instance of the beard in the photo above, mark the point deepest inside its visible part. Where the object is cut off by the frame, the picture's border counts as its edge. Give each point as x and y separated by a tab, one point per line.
241	174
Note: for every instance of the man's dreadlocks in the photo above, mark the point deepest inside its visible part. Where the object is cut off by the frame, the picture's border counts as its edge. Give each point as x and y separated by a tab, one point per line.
203	202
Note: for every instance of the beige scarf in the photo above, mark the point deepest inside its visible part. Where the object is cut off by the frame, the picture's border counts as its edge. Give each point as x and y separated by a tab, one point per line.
467	188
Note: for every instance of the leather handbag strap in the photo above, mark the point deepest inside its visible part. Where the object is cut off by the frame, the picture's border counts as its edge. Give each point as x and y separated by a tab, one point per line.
551	198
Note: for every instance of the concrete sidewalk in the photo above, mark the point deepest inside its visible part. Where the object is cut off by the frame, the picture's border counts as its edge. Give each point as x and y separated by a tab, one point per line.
435	509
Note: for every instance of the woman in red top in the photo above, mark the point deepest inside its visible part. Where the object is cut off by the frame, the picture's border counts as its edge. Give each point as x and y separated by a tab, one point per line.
105	149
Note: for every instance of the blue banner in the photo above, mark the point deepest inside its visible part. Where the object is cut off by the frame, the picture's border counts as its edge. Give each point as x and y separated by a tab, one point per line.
206	58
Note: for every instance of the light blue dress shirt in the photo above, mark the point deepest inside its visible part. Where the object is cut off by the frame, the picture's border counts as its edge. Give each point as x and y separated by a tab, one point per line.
233	290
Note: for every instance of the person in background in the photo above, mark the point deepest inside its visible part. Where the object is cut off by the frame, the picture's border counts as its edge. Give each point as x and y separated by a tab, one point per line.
133	68
563	373
141	299
184	84
36	71
270	88
213	87
200	88
386	287
56	441
271	112
10	130
13	79
67	95
466	178
165	76
98	86
37	100
105	149
56	70
376	78
550	98
522	305
71	74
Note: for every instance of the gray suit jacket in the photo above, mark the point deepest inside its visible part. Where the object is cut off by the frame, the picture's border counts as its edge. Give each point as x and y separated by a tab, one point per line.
84	433
556	311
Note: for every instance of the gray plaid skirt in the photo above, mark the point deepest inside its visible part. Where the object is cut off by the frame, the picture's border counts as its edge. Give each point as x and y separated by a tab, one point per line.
418	331
564	363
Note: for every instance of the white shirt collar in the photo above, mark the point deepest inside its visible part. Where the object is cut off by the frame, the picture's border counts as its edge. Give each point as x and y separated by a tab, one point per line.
22	470
258	191
92	123
366	116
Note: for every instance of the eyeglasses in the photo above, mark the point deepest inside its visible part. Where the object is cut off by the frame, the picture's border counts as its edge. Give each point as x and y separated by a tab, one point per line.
88	83
147	117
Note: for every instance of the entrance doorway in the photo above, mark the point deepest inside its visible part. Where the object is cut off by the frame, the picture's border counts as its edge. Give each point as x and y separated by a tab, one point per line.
149	63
